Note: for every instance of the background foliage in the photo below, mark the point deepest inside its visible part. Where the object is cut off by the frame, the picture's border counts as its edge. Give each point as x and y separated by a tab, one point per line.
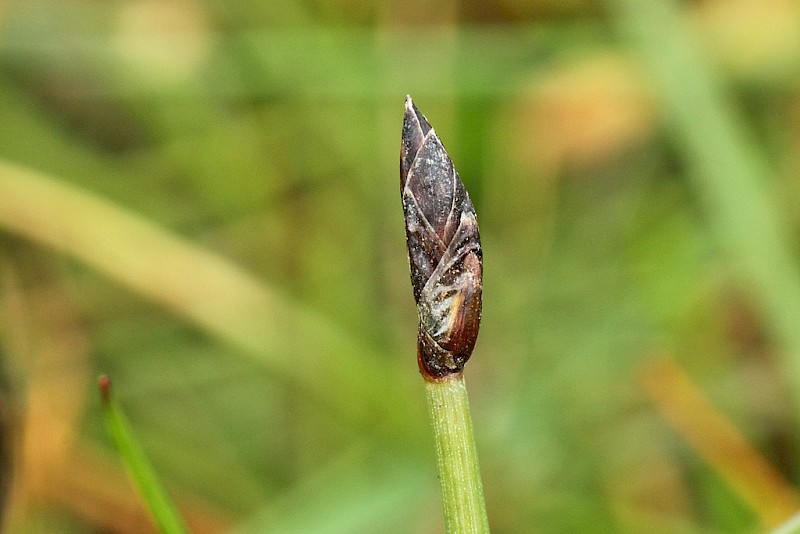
200	198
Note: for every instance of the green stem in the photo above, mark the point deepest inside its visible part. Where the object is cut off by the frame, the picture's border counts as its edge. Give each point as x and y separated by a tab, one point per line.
161	507
456	457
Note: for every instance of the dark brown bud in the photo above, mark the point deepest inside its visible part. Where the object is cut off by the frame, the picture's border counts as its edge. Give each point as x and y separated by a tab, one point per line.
444	249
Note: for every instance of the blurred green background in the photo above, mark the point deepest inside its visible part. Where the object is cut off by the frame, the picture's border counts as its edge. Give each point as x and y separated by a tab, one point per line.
201	199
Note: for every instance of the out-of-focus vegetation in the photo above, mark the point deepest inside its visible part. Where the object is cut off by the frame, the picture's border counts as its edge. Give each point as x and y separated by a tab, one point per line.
200	198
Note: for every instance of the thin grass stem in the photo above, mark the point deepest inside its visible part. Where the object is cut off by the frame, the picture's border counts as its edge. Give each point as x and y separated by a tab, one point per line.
138	466
456	456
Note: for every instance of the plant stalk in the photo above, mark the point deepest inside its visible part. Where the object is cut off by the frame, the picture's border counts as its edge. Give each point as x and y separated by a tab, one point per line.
456	456
161	507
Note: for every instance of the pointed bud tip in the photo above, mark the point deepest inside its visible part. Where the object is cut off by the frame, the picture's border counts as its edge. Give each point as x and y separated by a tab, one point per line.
411	109
413	114
409	105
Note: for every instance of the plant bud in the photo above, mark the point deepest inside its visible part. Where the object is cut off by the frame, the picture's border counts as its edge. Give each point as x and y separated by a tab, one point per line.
444	249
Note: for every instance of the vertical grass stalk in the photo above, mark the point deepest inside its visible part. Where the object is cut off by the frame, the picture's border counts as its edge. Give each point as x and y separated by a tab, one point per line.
456	456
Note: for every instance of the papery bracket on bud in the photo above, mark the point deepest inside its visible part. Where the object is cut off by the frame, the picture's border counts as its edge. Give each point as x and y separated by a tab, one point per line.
444	249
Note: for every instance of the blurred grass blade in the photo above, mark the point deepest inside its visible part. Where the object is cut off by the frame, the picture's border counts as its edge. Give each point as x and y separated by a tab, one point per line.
139	468
6	441
300	346
792	526
731	173
360	490
720	443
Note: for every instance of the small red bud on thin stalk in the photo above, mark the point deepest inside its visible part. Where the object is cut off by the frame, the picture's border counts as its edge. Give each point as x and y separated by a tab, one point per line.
161	507
444	249
104	385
